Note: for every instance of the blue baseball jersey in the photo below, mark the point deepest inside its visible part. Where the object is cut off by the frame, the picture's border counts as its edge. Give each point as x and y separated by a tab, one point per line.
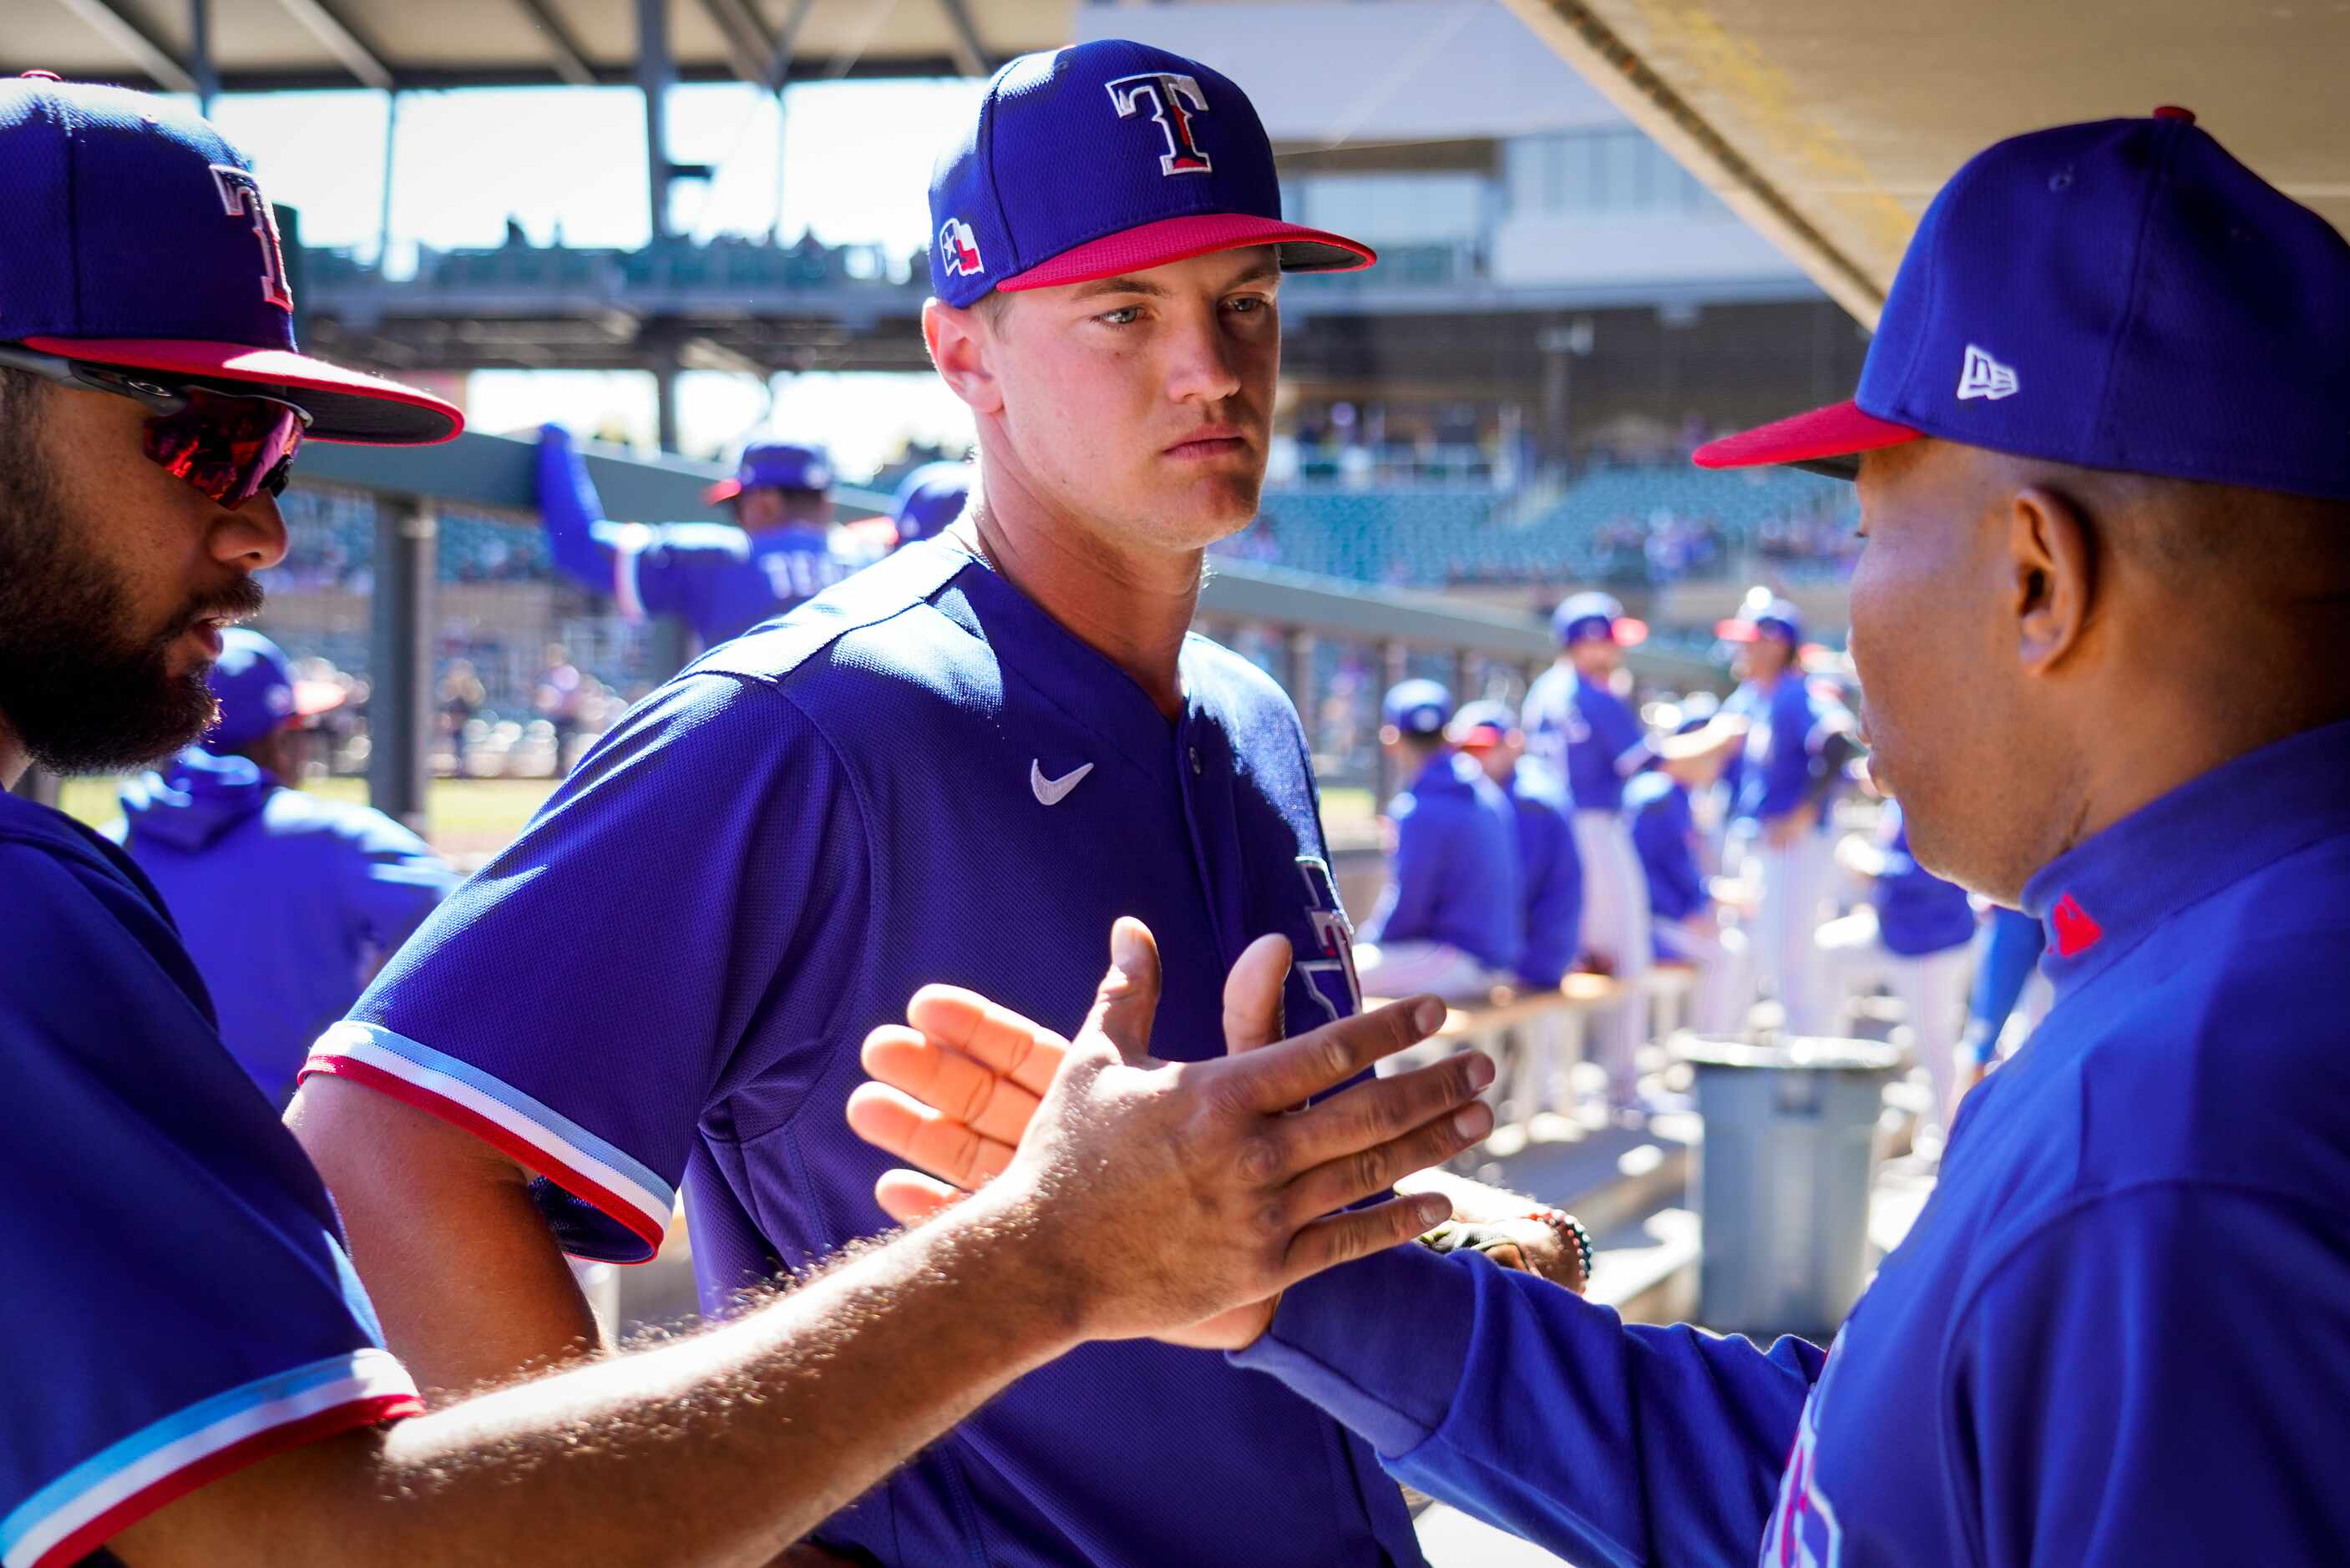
1664	832
2065	1360
1456	876
1551	873
720	580
176	1302
286	902
1788	726
1917	912
1586	734
919	777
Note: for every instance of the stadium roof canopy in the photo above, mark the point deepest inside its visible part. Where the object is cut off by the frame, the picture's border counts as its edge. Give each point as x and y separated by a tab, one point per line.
1829	124
253	45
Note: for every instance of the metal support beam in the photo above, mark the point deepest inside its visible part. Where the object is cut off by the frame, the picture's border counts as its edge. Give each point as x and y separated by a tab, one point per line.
1395	661
655	72
399	680
136	43
562	49
659	342
358	56
787	39
1297	675
200	54
748	47
969	52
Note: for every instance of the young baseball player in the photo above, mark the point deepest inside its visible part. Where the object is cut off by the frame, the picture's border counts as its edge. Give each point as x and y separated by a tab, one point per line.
894	785
1579	727
2107	497
1452	918
722	578
194	1376
1551	873
1779	820
287	903
1916	936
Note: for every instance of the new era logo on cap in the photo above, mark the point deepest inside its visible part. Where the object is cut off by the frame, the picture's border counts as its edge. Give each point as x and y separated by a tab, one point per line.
1984	377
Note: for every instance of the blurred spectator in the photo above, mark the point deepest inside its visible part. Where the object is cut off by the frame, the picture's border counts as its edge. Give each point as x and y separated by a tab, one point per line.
288	903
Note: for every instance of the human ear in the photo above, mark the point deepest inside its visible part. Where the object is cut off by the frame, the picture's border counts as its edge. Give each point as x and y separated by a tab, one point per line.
957	340
2052	559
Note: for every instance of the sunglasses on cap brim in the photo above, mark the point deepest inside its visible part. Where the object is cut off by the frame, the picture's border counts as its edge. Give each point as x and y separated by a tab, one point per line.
230	446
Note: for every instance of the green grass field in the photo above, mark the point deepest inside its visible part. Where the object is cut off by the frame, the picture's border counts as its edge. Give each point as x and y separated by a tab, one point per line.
466	819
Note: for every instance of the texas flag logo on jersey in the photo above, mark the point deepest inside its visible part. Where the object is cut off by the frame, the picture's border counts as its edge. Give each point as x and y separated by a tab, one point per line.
1173	100
959	249
1328	971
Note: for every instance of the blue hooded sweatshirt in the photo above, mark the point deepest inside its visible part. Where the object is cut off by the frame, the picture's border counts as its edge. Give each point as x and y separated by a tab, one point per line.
286	902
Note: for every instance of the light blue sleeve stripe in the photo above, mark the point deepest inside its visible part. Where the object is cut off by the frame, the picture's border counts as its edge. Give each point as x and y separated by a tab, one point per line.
522	1104
170	1429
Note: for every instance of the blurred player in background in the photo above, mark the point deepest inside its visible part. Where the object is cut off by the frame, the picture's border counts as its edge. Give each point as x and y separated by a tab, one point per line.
927	500
1550	876
963	765
1685	918
1796	745
287	903
1580	725
1452	918
722	580
2006	985
1916	936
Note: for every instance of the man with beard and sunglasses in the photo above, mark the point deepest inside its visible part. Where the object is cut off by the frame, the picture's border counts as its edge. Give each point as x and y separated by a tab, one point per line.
194	1374
961	764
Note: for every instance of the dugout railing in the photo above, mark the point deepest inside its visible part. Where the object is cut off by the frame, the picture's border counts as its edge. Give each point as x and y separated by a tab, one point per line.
1282	617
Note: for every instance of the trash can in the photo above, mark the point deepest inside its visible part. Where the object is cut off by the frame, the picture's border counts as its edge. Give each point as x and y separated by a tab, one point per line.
1784	1178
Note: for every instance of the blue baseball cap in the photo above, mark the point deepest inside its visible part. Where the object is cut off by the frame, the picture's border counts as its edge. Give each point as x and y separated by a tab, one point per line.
1481	724
1763	614
1107	158
2119	295
775	464
257	692
928	498
1595	618
139	237
1418	707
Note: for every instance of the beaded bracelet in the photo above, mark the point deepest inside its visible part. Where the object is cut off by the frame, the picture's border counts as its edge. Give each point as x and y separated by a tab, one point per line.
1571	1233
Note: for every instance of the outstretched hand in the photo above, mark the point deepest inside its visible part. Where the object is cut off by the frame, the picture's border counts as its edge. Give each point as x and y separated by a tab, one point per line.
1169	1200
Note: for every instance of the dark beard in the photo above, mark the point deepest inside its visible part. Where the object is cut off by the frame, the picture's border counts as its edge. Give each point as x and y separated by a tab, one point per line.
83	696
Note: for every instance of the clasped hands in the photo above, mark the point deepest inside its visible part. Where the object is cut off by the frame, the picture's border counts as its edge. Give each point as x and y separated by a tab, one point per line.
1174	1201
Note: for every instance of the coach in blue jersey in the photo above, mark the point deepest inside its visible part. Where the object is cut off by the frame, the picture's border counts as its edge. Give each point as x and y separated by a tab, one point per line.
1452	919
1778	829
1550	882
721	579
194	1376
288	903
961	765
2107	496
1579	727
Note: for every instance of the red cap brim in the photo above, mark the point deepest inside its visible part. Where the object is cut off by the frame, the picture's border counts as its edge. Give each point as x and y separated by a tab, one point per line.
344	405
1827	441
724	490
312	698
1180	239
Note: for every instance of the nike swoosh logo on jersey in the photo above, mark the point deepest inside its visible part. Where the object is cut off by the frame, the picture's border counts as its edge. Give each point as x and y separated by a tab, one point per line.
1051	792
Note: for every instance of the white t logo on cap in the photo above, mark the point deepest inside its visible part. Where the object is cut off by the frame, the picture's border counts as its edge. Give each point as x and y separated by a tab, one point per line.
241	197
1174	99
1985	377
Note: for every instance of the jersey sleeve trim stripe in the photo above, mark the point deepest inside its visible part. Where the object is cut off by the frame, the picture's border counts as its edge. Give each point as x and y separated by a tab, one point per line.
1633	758
502	1117
113	1489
